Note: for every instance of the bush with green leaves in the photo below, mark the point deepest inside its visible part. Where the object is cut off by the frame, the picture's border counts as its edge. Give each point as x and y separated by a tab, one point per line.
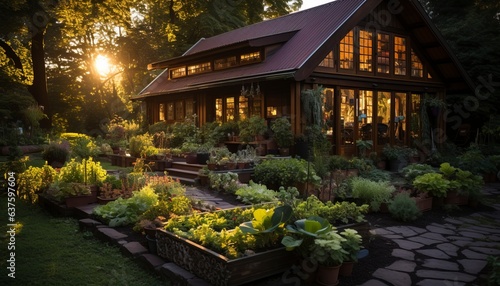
475	161
434	184
82	171
464	182
376	175
84	147
404	208
142	145
34	180
285	172
127	211
56	152
224	182
412	171
255	193
185	131
371	192
336	213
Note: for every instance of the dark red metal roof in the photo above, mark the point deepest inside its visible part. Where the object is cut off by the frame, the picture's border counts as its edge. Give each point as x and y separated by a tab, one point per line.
315	31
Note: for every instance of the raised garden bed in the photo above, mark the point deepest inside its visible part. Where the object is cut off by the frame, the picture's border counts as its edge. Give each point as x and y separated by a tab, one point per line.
218	269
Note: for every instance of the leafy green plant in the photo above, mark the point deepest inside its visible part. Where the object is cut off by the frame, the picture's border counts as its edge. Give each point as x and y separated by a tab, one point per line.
84	171
352	244
82	146
282	129
185	131
140	144
255	193
34	180
327	249
285	172
494	275
60	190
396	152
56	152
432	183
371	192
127	211
336	213
251	127
338	162
305	230
267	224
404	208
227	182
412	171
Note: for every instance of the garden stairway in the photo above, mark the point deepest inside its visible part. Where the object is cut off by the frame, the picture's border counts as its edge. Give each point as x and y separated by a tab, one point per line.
184	172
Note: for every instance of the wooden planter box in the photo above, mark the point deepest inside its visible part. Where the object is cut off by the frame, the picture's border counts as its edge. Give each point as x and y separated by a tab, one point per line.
78	201
454	198
424	204
217	269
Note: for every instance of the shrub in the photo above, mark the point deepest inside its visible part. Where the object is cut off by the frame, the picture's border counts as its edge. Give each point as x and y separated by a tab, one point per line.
412	171
285	172
56	152
226	182
185	131
84	147
404	208
85	171
142	145
34	180
376	175
432	183
255	193
370	192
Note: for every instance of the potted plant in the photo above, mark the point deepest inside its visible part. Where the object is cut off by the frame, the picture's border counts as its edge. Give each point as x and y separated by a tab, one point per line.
189	150
283	135
352	245
398	156
328	252
252	129
371	192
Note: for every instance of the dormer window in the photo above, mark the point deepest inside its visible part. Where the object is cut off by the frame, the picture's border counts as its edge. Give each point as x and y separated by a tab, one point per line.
225	63
199	68
178	72
417	68
399	56
250	58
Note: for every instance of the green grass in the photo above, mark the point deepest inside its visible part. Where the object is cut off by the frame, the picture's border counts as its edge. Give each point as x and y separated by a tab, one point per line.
52	251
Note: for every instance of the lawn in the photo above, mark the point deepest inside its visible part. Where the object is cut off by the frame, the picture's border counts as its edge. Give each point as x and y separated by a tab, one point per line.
52	251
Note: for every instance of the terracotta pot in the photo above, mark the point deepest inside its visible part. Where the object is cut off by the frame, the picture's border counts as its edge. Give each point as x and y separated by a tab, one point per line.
328	276
346	268
424	204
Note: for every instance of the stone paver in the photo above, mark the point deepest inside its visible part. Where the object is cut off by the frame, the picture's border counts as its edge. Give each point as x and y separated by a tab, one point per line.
472	266
440	230
403	266
423	240
440	264
409	245
404	254
445	275
434	253
448	248
393	277
474	255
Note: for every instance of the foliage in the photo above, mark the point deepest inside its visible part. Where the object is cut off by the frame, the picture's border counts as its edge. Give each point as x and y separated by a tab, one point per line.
494	275
352	244
433	183
56	152
404	208
227	181
285	172
84	147
255	193
185	131
33	181
412	171
312	102
165	186
336	213
251	127
364	146
127	211
60	190
464	182
376	175
288	196
475	161
282	129
338	162
84	171
327	249
142	145
396	152
303	231
370	192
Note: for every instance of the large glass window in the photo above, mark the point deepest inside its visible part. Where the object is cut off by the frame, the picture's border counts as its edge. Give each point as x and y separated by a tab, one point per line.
365	50
400	118
225	63
161	115
383	53
243	108
383	116
178	72
415	125
230	109
179	110
328	109
250	58
170	111
347	51
399	56
365	114
328	61
417	68
219	110
199	68
347	106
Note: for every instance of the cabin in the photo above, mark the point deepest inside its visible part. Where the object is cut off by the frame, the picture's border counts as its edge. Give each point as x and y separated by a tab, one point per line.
375	60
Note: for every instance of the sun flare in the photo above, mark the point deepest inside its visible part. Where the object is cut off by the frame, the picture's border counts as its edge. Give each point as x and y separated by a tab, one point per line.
102	65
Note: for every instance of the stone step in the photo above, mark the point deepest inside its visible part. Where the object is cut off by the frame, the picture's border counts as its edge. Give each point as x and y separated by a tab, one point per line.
186	166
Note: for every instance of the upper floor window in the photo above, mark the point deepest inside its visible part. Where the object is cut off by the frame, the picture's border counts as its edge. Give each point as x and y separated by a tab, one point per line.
328	60
417	68
225	63
178	72
399	55
250	58
347	51
365	50
383	53
199	68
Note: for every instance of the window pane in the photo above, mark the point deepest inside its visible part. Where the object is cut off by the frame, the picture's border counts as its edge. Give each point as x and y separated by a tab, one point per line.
225	63
243	108
417	68
365	50
365	114
415	121
250	58
189	108
179	110
399	56
178	72
230	112
328	110
199	68
218	110
161	112
383	116
347	116
328	61
383	53
400	118
347	51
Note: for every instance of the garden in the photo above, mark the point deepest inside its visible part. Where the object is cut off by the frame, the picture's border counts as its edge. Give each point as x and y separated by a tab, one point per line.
290	210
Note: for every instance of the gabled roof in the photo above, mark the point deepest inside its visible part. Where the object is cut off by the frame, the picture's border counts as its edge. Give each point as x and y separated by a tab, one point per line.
307	37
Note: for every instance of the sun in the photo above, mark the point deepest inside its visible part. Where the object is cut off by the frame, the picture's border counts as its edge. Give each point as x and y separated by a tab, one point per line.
102	65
